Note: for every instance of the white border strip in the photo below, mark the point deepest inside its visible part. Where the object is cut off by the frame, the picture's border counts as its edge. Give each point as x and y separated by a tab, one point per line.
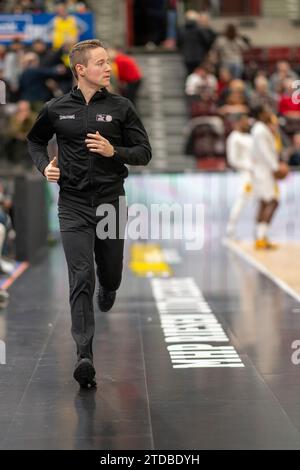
262	269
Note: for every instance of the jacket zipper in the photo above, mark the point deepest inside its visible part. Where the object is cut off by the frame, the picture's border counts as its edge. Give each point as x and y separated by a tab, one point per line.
89	155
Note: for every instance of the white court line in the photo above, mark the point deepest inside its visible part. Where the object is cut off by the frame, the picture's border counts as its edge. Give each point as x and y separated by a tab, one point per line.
260	267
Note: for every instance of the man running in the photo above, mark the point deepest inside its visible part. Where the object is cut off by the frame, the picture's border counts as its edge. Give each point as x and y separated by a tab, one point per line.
98	133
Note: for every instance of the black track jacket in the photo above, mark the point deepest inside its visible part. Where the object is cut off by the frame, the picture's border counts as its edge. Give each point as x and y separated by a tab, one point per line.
86	176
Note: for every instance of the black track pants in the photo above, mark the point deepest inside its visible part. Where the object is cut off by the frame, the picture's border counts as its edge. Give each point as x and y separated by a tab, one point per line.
80	238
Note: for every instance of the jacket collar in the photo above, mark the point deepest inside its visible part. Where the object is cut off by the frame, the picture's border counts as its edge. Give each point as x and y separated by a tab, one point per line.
76	93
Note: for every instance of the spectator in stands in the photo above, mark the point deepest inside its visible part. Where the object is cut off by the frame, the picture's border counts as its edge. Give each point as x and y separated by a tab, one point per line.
224	79
234	99
33	86
149	22
51	58
27	6
201	92
47	58
2	6
31	6
13	68
66	80
18	126
155	23
17	10
65	27
294	152
74	6
171	33
201	84
278	78
289	107
228	49
262	95
193	41
205	24
129	73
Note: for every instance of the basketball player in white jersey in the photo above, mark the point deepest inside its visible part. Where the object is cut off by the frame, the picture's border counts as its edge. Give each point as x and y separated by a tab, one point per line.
265	164
239	155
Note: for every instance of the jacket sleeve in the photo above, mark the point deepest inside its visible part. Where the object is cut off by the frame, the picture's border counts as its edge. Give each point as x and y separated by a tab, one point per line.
38	138
137	149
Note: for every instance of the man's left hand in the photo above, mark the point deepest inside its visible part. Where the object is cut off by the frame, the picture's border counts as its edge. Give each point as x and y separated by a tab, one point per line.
98	144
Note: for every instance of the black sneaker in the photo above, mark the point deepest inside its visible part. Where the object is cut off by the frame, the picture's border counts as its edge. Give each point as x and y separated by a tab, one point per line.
105	299
85	373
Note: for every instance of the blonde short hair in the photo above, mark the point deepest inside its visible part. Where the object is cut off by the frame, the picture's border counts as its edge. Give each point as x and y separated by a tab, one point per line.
79	54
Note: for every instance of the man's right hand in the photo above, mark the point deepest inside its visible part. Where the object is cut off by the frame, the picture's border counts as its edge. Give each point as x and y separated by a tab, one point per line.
52	171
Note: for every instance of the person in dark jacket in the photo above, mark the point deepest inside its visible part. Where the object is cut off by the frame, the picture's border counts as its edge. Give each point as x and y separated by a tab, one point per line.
50	58
149	21
98	134
193	41
32	86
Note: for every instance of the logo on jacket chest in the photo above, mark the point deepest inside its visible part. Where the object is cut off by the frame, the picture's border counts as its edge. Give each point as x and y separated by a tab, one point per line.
103	117
67	116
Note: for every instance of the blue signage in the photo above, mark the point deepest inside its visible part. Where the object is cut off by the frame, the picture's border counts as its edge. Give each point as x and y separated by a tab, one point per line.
28	27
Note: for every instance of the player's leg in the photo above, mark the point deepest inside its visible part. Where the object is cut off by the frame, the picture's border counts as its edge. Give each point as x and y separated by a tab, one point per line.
109	254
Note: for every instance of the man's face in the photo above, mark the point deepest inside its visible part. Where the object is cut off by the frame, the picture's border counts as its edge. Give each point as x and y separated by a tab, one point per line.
283	68
261	85
39	47
97	71
61	10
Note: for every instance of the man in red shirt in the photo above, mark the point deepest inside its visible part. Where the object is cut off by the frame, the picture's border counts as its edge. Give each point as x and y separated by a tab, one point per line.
129	73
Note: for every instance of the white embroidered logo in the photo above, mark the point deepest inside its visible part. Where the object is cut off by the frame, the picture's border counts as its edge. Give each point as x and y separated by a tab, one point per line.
67	116
103	117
